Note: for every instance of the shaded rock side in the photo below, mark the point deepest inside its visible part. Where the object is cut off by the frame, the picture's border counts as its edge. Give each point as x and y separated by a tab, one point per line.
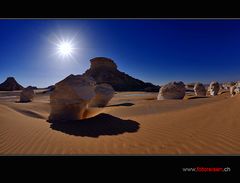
27	94
104	93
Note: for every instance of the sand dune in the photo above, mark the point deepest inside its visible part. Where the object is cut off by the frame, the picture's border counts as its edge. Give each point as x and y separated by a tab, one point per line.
133	123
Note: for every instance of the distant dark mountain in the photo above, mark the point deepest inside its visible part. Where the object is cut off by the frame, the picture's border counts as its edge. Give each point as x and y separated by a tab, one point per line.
104	70
10	84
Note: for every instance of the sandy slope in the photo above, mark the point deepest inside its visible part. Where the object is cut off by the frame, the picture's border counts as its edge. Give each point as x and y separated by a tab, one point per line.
132	123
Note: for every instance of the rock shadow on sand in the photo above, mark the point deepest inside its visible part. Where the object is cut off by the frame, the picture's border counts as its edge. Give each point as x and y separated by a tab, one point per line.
22	102
102	124
197	97
30	113
122	104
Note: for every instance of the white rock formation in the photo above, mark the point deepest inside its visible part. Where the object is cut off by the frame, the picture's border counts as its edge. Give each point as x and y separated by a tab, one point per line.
235	89
27	94
199	89
227	86
71	97
104	93
237	84
172	90
232	90
214	88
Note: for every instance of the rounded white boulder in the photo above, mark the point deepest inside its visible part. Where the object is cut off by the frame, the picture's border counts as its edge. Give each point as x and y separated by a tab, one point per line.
71	97
172	90
199	89
214	88
27	94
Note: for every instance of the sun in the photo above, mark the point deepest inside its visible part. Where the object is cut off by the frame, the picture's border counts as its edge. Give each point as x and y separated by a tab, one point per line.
65	49
65	46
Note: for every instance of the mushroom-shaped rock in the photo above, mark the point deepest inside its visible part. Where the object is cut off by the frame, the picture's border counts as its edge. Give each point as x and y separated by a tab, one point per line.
172	90
214	88
199	89
27	94
70	98
104	93
105	70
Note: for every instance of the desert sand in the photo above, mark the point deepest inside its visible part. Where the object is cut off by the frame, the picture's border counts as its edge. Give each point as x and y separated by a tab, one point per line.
132	123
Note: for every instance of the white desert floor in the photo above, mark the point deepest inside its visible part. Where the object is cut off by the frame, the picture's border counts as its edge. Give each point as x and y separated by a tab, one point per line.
132	123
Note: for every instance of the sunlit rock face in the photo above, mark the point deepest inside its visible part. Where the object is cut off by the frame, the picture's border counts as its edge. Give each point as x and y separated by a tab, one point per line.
214	88
237	84
10	84
104	70
27	94
228	85
232	90
104	93
70	98
225	86
235	89
172	90
199	89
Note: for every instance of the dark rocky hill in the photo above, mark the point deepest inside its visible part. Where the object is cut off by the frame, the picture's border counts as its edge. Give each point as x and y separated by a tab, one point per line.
104	70
10	84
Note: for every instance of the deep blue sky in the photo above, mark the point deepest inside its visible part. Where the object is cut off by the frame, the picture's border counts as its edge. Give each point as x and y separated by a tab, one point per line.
156	51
